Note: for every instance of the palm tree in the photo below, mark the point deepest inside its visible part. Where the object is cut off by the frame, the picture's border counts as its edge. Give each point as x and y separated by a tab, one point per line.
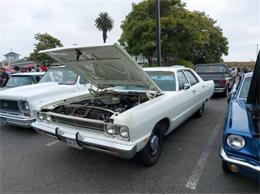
104	23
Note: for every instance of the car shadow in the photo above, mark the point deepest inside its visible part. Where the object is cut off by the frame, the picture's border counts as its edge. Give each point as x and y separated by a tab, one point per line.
218	96
15	129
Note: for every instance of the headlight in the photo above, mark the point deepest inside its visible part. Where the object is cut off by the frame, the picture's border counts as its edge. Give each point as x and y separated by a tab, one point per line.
236	142
123	132
110	129
41	116
118	131
48	117
25	106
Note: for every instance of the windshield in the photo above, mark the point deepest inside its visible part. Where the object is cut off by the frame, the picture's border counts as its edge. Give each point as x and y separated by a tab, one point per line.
211	69
165	80
16	81
245	88
60	75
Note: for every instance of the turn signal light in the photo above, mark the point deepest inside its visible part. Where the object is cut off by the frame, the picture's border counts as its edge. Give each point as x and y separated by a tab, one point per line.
233	168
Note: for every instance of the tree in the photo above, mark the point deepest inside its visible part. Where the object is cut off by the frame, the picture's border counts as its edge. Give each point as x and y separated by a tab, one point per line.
44	41
104	23
185	35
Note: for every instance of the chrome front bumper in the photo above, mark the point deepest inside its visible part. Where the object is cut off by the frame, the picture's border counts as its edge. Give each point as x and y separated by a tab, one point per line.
18	120
88	142
237	161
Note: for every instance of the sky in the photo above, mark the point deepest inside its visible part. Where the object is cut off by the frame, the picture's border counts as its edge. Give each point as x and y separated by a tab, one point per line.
72	21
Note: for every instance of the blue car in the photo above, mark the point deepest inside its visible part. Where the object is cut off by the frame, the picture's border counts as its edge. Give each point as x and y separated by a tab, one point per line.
241	139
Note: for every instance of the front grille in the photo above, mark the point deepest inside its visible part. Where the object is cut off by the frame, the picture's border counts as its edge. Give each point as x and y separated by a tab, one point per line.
80	123
9	105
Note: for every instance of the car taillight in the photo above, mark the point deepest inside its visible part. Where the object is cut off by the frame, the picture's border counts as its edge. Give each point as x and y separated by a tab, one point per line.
223	82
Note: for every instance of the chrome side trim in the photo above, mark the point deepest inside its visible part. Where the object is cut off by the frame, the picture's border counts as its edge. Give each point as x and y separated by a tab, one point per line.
225	157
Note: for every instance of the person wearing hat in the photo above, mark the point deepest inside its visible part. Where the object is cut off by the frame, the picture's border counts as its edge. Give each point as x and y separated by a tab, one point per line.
4	77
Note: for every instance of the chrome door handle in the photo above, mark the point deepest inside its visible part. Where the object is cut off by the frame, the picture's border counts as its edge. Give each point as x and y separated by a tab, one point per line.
194	91
203	86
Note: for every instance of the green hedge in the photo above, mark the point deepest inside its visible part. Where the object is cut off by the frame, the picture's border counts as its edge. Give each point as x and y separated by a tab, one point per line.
177	62
185	63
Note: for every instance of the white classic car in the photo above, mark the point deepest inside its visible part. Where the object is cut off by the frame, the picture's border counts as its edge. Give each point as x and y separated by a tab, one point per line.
131	110
17	104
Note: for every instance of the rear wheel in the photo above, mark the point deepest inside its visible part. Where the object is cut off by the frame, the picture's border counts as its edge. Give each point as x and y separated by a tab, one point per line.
200	112
152	151
225	94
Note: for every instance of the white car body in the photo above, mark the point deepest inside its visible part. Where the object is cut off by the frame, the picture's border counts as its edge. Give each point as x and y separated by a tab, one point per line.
113	65
36	96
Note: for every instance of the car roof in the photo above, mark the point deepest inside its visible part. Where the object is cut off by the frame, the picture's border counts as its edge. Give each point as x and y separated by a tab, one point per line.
212	64
28	74
166	68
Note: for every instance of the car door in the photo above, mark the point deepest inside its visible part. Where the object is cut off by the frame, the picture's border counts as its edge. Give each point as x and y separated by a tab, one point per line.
184	100
196	91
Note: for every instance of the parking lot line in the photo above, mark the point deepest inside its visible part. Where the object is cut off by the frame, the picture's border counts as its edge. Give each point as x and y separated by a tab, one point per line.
198	169
52	143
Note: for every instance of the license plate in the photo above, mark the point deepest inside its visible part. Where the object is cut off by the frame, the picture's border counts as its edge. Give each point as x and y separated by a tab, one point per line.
72	143
2	121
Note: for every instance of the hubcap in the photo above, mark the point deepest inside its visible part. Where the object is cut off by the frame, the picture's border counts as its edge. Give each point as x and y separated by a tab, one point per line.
154	144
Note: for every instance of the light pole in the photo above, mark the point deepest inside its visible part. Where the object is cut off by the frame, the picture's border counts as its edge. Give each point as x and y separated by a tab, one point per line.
158	33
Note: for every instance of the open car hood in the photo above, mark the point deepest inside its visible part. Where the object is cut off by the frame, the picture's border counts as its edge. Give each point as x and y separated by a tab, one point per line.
103	66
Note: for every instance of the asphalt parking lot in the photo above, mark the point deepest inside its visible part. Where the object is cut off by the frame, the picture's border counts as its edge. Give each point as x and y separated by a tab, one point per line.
190	163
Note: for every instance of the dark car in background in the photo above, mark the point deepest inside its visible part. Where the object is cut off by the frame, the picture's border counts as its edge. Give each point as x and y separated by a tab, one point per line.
21	79
219	73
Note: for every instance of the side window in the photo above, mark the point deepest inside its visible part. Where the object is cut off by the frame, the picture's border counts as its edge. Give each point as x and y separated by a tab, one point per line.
192	78
82	81
182	80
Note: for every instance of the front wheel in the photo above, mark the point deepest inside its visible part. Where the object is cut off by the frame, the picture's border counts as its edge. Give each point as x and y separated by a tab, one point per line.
152	151
225	167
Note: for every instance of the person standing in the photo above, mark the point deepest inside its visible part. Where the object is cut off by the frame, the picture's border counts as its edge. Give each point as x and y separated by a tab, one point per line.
4	77
16	69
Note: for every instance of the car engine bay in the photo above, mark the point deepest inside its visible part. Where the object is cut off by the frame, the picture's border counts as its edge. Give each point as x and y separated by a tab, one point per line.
103	105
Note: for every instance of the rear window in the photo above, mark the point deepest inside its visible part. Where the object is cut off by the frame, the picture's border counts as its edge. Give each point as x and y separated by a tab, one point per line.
211	69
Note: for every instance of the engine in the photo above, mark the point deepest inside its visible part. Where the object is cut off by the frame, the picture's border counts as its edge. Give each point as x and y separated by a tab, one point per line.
103	105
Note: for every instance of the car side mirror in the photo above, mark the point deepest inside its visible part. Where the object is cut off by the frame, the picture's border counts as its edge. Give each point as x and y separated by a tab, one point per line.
186	86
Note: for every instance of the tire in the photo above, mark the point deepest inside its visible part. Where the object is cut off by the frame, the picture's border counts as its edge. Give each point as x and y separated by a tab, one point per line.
152	151
200	112
225	94
225	167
